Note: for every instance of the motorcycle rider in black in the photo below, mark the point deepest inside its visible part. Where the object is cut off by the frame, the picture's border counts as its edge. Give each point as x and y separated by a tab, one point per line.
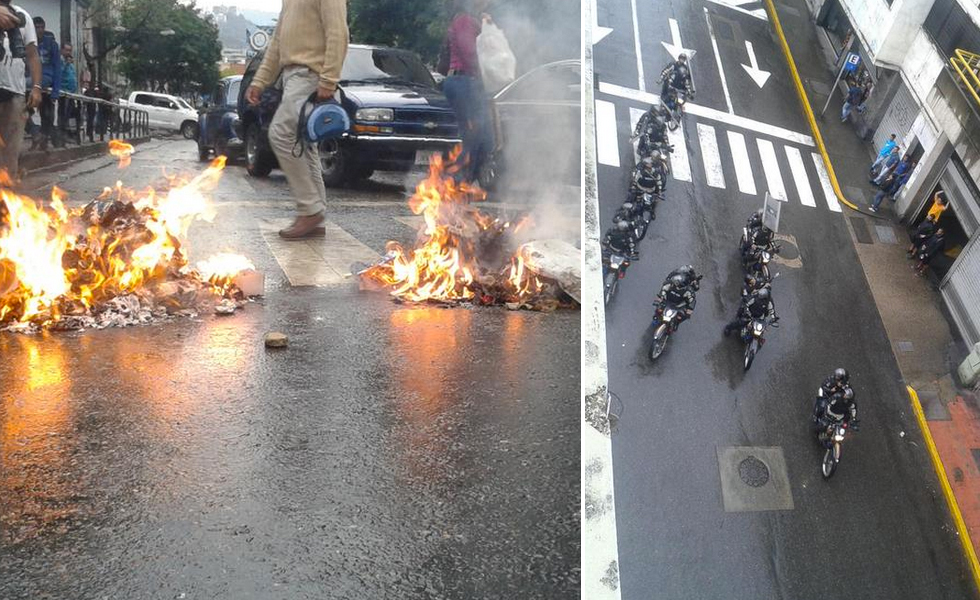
649	177
677	75
651	130
691	278
836	383
619	239
754	283
840	407
757	305
676	294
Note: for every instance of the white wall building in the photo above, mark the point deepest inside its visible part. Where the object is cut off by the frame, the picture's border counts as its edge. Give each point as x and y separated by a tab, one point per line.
906	46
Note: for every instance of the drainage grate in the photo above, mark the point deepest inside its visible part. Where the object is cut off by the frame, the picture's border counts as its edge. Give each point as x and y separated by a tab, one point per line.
905	346
753	472
886	234
861	231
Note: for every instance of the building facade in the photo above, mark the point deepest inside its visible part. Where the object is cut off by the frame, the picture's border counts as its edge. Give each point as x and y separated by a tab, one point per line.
919	95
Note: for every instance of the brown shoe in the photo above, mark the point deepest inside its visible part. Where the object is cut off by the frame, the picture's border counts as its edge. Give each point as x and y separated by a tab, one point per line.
305	227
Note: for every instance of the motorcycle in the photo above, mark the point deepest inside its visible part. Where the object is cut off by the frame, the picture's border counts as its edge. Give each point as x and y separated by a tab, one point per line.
830	436
665	319
615	270
756	262
753	337
644	211
676	108
746	289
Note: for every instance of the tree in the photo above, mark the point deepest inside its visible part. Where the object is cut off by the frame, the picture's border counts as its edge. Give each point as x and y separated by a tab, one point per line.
166	46
416	25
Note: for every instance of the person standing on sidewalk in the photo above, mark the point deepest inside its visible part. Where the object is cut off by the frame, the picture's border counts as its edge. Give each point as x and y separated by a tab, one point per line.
853	99
885	179
50	52
464	86
308	48
927	251
886	149
13	88
886	167
922	233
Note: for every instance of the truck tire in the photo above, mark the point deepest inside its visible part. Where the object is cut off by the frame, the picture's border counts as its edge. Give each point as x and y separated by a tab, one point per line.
258	161
335	164
188	129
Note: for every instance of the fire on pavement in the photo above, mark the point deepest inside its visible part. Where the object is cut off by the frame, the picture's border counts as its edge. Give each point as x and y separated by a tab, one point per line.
118	260
464	255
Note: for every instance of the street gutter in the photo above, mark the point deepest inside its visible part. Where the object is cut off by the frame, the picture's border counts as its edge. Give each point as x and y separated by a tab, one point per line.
807	110
600	553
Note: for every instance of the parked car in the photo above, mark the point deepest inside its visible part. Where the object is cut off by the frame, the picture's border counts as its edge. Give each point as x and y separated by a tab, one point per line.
166	112
218	122
397	117
537	123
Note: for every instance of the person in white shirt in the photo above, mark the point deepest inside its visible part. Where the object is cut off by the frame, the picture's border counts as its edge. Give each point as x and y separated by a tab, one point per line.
13	88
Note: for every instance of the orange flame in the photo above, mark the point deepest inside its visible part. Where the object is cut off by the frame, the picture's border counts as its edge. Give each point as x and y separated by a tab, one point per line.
122	151
54	260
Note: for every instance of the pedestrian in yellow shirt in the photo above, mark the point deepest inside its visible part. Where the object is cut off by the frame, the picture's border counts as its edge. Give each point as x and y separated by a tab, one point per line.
939	204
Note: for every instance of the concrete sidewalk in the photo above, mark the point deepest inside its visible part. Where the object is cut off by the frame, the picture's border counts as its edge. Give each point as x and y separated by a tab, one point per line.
924	344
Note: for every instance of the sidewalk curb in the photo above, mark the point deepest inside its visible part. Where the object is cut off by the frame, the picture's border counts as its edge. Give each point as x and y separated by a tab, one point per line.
954	507
807	110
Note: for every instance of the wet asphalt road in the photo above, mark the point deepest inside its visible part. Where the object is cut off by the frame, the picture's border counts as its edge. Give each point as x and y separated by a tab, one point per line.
879	528
390	452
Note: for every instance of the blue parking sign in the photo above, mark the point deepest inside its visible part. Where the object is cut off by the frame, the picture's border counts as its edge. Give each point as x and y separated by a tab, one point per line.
851	62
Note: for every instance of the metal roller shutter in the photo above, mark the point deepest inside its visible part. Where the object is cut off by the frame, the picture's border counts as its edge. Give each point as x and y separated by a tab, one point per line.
961	290
898	118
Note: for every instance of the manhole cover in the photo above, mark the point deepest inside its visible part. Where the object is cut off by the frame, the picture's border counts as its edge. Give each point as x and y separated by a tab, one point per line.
753	471
788	251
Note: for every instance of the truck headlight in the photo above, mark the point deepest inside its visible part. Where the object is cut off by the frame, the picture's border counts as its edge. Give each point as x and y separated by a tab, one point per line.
375	114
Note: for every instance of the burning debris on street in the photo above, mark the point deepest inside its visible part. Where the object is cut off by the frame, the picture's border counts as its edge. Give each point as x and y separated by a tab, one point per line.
116	261
463	255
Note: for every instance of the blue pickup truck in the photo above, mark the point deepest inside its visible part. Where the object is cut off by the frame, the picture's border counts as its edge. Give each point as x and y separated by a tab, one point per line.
398	117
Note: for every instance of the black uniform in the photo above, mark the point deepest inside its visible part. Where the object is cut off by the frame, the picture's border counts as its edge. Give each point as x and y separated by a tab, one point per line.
620	242
653	180
692	280
671	77
752	307
683	299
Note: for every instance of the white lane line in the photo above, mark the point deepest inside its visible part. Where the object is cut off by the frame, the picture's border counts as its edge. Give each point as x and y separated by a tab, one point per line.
317	261
824	177
770	167
635	114
743	168
710	156
721	69
759	13
607	143
799	176
680	163
598	32
646	98
639	52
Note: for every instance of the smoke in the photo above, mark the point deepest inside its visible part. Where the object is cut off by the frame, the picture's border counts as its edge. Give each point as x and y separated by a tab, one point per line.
542	136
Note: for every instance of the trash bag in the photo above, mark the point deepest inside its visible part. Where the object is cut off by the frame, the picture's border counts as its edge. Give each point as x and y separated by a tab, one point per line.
497	62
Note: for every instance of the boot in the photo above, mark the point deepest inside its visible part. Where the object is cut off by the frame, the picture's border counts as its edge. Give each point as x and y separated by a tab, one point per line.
310	226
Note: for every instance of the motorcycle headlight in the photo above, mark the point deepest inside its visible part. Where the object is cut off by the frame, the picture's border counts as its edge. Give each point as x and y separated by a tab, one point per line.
375	114
766	257
839	436
669	314
757	327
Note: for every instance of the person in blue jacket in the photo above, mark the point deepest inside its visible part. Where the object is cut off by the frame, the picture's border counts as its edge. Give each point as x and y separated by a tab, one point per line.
49	51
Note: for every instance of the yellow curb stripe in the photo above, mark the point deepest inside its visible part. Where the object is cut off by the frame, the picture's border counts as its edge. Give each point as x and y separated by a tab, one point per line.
771	9
954	508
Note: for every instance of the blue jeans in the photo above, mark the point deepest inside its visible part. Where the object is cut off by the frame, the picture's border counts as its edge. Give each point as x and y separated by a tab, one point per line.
845	111
469	102
878	198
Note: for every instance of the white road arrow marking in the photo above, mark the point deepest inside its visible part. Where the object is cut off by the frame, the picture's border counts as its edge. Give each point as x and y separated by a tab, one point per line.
758	13
598	32
675	48
759	76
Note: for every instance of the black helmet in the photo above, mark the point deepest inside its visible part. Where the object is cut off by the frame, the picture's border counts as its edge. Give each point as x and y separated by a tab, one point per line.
762	294
677	280
682	57
687	270
848	394
840	374
750	280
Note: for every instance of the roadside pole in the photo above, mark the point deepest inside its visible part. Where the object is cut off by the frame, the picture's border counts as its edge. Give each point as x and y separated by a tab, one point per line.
840	73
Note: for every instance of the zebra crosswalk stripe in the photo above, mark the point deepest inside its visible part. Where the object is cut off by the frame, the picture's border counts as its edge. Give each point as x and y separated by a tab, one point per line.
770	167
635	114
743	168
710	156
799	176
606	135
824	177
680	163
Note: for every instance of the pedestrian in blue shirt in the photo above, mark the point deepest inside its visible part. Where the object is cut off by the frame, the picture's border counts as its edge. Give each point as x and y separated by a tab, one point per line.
49	52
852	100
886	149
894	157
893	168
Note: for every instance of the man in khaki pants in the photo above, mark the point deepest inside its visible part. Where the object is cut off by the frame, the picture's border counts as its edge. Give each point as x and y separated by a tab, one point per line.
308	48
